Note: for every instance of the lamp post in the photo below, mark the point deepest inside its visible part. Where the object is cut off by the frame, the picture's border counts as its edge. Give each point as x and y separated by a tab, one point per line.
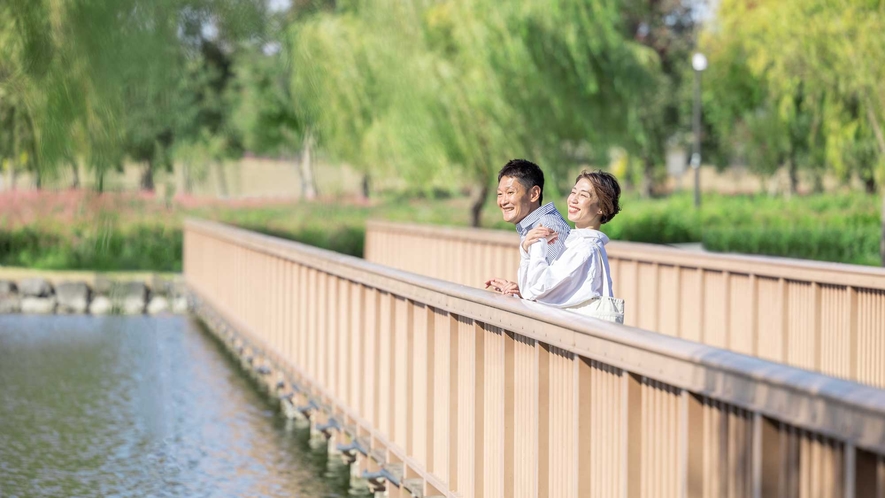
699	64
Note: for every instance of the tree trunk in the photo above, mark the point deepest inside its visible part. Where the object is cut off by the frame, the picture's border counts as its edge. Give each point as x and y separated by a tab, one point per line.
478	202
147	177
222	180
75	182
818	181
869	184
33	157
100	186
308	183
877	130
187	181
365	186
647	188
793	173
15	152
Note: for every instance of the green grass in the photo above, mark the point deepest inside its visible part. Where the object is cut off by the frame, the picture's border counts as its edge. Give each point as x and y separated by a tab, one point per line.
145	234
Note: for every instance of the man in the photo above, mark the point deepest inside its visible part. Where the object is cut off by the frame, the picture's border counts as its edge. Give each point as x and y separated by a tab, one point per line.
520	193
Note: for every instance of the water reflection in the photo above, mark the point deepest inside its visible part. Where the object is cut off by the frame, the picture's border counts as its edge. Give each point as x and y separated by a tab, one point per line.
142	406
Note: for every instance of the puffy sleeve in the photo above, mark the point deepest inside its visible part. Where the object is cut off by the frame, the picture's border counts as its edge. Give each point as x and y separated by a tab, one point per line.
558	282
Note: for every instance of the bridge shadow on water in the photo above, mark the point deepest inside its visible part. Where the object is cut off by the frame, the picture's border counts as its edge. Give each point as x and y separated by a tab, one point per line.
295	434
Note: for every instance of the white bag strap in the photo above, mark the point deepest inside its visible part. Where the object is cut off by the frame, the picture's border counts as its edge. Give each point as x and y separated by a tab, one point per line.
606	280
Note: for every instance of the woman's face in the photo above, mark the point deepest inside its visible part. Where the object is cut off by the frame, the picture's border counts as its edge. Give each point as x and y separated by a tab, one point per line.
583	205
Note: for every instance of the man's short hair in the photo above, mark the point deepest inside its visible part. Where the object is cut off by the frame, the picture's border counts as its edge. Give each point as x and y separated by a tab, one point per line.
528	173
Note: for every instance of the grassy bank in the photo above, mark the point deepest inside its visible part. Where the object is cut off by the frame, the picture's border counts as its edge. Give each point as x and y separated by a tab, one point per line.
130	232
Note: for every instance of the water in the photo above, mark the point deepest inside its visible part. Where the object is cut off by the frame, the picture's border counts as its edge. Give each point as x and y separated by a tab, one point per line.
142	406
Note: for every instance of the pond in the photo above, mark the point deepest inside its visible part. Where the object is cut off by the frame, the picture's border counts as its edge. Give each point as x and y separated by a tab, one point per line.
142	406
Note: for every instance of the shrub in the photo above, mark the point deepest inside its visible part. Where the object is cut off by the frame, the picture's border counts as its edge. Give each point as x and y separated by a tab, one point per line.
856	245
141	247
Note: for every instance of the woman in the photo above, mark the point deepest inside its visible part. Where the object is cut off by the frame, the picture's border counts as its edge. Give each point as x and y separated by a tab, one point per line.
579	280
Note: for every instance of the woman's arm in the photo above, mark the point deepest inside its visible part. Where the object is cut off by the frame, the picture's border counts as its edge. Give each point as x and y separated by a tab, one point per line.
540	281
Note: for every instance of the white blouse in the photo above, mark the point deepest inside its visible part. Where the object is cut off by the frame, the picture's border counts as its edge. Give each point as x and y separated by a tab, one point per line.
571	280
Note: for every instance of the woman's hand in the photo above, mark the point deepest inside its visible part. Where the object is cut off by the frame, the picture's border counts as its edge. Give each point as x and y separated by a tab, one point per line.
538	233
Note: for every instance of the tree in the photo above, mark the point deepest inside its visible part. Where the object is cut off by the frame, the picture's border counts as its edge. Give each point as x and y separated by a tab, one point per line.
102	79
660	106
454	89
265	112
817	66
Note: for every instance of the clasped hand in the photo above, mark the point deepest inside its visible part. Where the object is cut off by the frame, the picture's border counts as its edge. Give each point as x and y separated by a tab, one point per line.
503	286
538	233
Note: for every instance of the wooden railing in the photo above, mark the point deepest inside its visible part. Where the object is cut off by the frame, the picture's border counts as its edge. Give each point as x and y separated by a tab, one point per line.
472	394
825	317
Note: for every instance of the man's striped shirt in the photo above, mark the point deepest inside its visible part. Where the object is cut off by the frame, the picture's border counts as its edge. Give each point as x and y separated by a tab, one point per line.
548	216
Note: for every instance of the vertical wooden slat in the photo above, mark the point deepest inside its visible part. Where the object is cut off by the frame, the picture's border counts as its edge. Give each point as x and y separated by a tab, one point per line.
420	368
631	387
585	440
691	300
467	409
713	305
526	424
869	474
400	391
693	442
668	299
493	396
543	420
647	293
741	314
456	480
508	425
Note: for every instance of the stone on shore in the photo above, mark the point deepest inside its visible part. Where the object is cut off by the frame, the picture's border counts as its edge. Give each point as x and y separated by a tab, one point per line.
101	305
8	287
10	303
132	298
103	286
162	286
158	304
179	305
35	287
73	297
38	305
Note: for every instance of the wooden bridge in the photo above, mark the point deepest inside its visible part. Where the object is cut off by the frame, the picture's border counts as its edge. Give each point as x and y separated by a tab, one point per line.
433	388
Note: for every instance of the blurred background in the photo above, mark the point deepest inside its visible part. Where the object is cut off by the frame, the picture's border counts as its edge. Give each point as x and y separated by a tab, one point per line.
750	126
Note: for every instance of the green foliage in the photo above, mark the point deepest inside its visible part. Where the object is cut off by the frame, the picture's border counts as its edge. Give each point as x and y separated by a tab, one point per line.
449	91
673	221
140	247
855	245
128	236
800	82
838	228
100	81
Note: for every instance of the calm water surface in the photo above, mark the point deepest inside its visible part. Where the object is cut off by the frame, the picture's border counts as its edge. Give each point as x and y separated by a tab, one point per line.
142	406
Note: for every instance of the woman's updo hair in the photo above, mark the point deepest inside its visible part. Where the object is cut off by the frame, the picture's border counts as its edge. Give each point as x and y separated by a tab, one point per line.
608	191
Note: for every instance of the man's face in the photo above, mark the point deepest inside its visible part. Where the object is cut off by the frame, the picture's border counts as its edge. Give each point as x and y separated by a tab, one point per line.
516	201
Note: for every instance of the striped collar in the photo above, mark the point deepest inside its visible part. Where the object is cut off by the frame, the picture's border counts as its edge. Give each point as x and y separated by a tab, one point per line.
529	221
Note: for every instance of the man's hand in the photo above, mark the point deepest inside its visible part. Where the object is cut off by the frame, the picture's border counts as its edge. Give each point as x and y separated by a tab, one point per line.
503	286
538	233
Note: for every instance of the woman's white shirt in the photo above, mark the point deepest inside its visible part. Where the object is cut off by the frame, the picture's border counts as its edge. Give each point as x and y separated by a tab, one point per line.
572	279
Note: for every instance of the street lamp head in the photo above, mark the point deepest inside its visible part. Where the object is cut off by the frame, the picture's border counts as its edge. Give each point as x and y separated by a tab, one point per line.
698	62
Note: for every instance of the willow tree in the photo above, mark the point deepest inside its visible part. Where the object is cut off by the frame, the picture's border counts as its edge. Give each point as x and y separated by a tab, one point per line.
535	79
91	80
817	66
454	89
